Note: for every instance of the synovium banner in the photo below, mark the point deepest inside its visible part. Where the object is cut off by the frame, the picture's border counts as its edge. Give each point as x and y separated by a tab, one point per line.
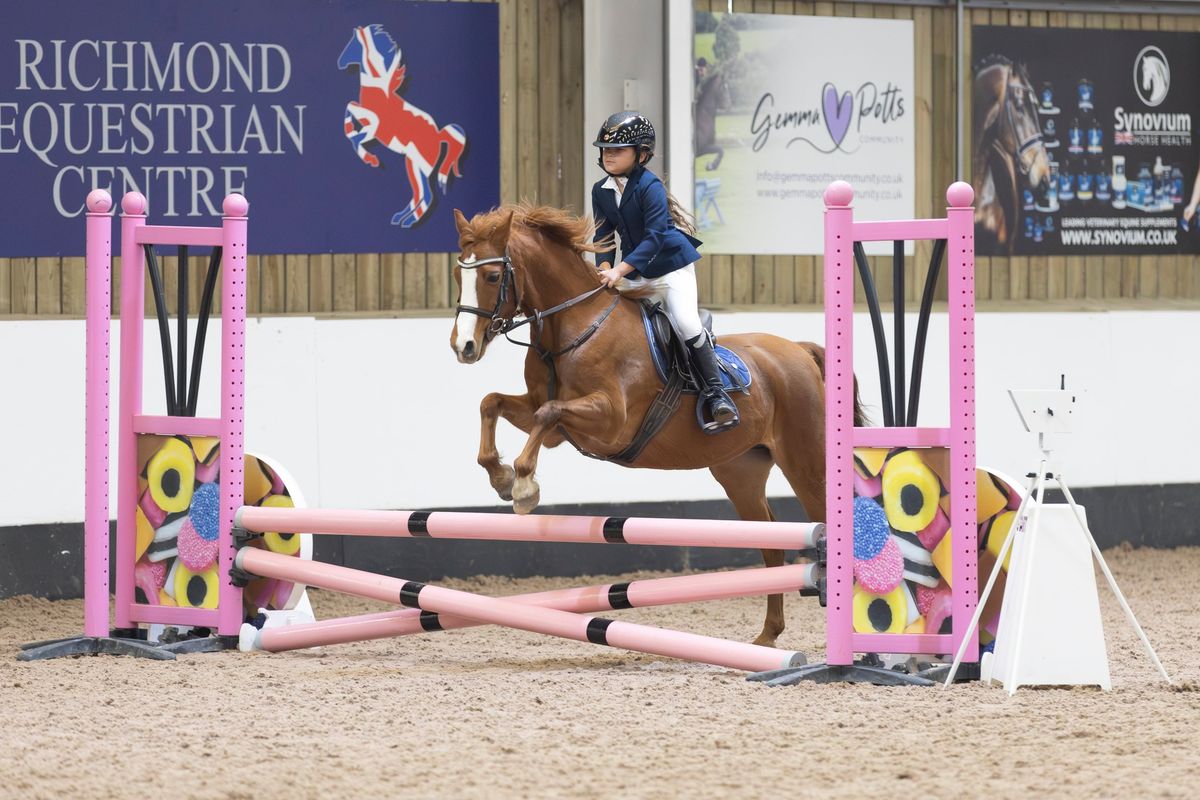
784	105
1083	143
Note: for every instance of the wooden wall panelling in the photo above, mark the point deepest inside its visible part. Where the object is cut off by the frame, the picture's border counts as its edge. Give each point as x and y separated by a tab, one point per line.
24	285
320	283
391	296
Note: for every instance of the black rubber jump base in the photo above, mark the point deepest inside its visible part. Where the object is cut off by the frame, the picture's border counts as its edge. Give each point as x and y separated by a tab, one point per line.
123	646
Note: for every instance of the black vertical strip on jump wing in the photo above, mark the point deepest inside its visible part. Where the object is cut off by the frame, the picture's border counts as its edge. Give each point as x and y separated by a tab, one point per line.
210	286
597	630
881	355
164	332
410	594
618	596
181	316
418	523
614	530
898	327
931	279
430	621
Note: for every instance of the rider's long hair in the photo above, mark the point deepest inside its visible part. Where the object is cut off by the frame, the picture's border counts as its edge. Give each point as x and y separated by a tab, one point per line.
682	219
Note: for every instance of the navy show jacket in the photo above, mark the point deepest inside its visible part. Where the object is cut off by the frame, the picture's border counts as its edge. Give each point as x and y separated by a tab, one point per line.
650	242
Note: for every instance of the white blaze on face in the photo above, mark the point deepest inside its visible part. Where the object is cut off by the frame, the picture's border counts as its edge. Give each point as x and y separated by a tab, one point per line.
467	321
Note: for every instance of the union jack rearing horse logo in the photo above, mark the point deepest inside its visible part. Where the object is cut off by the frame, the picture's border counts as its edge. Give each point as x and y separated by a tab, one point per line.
382	116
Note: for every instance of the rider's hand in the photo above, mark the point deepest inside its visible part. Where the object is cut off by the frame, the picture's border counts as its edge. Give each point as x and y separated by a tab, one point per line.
611	277
1188	212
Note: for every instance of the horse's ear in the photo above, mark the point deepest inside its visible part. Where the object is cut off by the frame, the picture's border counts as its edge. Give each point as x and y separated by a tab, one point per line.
461	223
504	227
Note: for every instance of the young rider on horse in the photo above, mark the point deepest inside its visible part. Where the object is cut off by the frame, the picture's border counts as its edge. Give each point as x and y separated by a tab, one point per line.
658	260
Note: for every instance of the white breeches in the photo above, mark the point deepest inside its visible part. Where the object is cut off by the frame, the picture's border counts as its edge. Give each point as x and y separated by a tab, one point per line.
677	292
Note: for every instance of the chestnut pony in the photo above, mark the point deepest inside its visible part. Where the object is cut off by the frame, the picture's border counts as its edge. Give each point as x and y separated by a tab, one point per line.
523	261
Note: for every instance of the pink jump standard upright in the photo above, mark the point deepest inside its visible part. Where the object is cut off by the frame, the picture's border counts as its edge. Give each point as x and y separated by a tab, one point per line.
953	237
141	557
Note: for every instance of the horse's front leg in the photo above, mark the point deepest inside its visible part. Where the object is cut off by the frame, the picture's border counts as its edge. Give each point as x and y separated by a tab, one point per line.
593	411
517	409
361	126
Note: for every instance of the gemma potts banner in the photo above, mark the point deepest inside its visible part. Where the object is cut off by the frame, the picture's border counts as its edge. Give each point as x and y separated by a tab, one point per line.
351	127
784	105
1083	141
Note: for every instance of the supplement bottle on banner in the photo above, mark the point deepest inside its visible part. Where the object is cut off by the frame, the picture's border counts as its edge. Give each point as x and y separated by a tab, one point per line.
1118	182
1100	181
1160	185
1066	183
1083	183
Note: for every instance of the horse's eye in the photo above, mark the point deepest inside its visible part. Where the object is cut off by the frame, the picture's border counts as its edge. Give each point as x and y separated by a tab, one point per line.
493	277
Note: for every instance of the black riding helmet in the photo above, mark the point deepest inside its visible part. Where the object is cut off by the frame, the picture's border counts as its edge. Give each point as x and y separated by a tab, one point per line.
627	129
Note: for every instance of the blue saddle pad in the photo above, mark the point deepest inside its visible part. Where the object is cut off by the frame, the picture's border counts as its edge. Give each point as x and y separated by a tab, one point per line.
734	372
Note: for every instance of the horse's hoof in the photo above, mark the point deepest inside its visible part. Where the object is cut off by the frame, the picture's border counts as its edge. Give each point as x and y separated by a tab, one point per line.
526	495
504	484
764	640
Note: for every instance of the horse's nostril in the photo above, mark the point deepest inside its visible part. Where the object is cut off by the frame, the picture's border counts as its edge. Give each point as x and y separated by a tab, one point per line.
469	349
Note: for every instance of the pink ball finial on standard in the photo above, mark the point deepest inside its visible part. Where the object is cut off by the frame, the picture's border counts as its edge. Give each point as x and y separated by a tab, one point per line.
235	205
839	194
134	204
99	201
960	195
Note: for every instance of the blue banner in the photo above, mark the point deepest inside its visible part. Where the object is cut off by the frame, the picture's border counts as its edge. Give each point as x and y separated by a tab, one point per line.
352	127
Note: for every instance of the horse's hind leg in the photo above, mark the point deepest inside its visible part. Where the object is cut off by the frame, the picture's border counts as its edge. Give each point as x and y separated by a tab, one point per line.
808	482
745	482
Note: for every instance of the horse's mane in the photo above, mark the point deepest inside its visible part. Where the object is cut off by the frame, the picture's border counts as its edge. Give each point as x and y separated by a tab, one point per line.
993	60
557	225
998	60
384	41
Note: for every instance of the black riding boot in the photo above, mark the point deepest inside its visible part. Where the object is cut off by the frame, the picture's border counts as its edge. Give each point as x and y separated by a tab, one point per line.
722	413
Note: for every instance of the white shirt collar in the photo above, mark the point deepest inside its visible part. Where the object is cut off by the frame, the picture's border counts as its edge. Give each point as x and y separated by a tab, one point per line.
611	183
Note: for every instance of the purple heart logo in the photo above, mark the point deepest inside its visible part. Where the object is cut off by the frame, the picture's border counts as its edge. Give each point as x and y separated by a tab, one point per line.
837	113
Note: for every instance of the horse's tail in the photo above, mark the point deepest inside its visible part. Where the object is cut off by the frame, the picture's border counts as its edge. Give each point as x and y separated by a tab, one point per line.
818	355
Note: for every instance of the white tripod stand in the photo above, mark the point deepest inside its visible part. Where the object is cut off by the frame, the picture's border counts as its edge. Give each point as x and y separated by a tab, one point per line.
1043	412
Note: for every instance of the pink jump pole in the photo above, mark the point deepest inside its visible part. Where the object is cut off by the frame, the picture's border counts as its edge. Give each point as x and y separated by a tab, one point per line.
839	419
133	286
960	256
535	528
233	378
512	614
99	314
589	599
